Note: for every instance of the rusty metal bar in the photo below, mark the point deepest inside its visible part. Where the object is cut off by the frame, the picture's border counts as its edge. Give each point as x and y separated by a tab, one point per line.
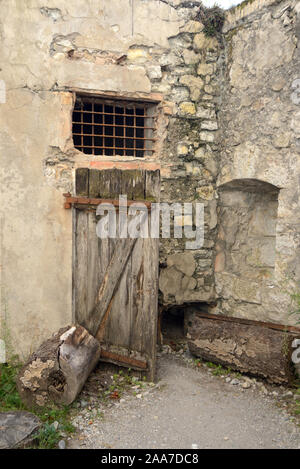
110	148
117	136
69	201
102	113
118	125
81	128
134	133
93	128
126	361
124	132
114	131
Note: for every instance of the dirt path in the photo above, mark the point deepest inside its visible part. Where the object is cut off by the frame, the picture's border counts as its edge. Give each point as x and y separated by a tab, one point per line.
190	406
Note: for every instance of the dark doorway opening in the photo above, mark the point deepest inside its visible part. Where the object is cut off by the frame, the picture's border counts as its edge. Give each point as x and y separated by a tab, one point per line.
174	322
172	328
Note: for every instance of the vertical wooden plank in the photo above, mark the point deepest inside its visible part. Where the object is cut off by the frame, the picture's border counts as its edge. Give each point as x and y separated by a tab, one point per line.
82	182
105	246
92	261
150	287
104	255
109	183
132	184
152	190
126	186
104	184
74	256
150	303
94	177
81	266
136	297
138	185
144	297
115	183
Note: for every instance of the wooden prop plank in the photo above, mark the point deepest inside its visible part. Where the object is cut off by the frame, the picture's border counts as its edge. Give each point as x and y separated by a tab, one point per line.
82	182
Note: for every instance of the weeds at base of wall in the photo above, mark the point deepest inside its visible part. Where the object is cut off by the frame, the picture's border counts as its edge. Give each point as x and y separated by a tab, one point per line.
294	405
120	383
57	421
48	436
9	396
217	369
4	328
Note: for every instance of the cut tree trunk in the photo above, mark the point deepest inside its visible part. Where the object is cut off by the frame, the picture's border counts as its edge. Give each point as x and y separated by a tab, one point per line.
260	349
57	371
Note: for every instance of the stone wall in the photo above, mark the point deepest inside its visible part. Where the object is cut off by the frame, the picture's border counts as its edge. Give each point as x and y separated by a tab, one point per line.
257	266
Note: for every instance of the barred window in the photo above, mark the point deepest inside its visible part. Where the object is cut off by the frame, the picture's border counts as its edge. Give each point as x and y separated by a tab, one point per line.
113	127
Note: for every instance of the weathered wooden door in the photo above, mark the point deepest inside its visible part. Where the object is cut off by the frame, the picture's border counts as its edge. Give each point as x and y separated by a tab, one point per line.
115	281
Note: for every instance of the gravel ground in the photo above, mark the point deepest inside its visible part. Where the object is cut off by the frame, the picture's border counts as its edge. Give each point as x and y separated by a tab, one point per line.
190	406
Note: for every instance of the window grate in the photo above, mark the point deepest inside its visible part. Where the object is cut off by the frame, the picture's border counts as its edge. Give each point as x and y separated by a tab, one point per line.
113	127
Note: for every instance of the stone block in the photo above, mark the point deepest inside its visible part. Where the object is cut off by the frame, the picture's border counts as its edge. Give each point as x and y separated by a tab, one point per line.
187	108
184	262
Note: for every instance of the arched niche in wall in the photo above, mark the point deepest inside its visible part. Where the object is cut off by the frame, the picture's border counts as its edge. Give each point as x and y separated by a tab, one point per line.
247	229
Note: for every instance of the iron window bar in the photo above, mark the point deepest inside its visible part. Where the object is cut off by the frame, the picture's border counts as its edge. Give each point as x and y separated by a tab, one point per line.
113	127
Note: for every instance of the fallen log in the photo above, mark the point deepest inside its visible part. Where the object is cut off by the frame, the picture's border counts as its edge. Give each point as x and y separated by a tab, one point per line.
252	347
57	371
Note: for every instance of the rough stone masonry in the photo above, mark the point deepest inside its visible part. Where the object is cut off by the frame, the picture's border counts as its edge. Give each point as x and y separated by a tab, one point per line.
228	135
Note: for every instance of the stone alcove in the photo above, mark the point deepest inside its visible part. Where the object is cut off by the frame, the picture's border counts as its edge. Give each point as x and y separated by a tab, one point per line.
245	250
